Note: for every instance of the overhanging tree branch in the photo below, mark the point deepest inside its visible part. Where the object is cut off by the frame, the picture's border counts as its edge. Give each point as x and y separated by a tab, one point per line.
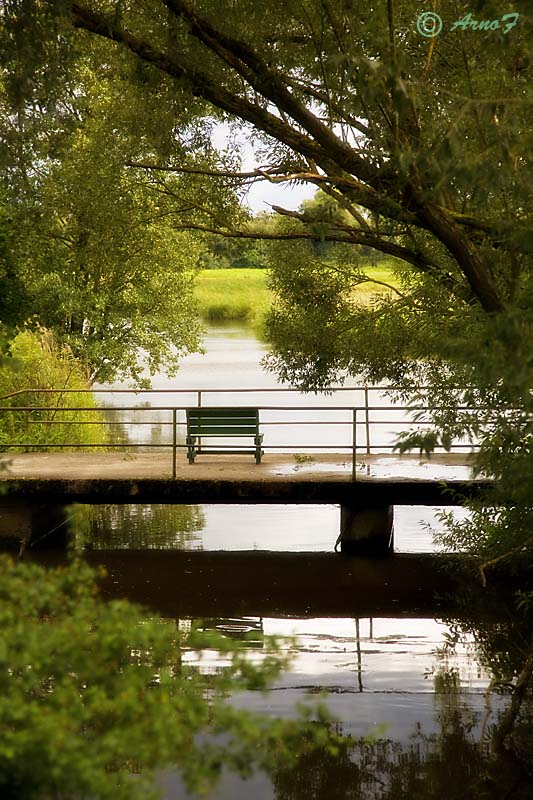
400	197
494	230
362	237
202	86
250	66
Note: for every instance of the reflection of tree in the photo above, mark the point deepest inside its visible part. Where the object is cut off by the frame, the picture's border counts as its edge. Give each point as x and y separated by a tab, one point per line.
131	427
447	766
320	775
505	649
458	762
140	527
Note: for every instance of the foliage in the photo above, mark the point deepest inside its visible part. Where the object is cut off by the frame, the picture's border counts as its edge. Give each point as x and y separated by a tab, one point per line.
407	138
96	254
37	363
95	697
101	268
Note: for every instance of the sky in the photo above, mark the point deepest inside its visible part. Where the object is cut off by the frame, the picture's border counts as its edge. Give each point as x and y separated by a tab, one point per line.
262	194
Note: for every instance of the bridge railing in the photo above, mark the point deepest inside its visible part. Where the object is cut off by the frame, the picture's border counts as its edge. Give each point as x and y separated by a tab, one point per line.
369	424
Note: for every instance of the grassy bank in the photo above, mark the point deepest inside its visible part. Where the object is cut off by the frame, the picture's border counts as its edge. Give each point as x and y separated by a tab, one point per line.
241	295
38	363
233	295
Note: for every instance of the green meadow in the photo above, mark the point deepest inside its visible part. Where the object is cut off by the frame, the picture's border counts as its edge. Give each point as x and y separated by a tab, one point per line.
242	295
233	295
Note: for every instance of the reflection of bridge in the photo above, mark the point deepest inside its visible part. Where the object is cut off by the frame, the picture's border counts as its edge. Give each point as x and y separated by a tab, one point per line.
209	584
348	434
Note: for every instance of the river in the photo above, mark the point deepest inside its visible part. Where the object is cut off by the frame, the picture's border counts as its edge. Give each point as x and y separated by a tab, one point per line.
390	679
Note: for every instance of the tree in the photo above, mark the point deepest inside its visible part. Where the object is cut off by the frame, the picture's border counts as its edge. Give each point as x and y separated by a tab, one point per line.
322	66
98	259
223	253
369	112
13	295
366	108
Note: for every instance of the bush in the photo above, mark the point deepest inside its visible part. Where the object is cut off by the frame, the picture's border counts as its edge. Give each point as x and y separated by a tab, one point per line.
37	363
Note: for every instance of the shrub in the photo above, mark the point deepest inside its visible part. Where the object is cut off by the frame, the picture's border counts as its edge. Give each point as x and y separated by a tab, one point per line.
36	364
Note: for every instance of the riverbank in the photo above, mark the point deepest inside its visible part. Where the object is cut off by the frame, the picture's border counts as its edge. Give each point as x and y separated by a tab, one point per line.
242	295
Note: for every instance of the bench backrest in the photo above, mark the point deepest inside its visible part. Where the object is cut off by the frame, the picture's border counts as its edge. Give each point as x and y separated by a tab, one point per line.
222	421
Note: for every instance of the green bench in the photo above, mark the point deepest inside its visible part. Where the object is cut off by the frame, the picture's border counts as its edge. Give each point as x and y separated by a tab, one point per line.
211	423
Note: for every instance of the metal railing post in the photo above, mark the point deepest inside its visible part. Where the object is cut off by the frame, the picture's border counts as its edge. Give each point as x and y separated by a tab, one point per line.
174	413
354	441
367	421
199	406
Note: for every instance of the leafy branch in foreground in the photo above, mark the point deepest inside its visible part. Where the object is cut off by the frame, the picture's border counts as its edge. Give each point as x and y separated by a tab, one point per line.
95	696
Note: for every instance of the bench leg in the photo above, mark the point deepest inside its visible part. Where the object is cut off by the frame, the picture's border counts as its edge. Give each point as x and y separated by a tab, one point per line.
258	440
191	453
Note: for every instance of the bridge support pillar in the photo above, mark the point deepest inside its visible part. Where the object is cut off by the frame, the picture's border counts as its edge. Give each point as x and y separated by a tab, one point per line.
366	531
38	524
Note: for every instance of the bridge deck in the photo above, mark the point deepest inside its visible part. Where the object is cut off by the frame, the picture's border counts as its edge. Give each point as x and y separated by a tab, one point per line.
146	477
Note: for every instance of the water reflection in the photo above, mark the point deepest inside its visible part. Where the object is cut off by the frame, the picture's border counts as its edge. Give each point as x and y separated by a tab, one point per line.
429	709
453	764
481	750
462	737
140	527
248	630
246	527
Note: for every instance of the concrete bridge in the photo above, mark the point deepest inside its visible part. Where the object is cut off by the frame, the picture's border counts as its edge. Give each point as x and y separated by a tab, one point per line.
347	458
35	483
